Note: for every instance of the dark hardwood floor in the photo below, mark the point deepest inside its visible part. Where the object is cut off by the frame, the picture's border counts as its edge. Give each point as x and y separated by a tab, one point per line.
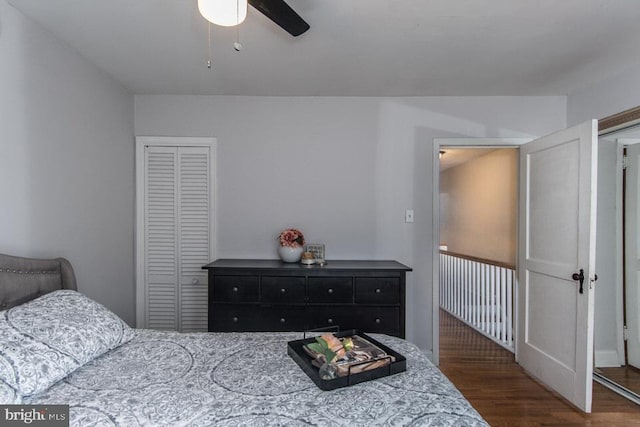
505	395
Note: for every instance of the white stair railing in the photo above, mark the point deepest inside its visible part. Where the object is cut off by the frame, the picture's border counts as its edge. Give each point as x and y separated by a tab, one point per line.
480	293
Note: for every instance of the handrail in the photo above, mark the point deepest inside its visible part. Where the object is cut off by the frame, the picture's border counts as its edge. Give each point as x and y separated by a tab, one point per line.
481	260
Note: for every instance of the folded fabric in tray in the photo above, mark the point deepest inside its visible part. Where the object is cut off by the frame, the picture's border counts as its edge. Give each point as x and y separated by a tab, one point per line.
359	355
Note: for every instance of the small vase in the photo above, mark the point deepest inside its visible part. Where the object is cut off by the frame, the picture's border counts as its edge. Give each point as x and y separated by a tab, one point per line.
290	254
328	371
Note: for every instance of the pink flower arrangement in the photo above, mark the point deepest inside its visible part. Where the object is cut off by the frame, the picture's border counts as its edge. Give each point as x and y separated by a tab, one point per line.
292	238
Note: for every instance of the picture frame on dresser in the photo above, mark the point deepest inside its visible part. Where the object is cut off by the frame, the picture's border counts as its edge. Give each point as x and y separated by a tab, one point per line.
317	249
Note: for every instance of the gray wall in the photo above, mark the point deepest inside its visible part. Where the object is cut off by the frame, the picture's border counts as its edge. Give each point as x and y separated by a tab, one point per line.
479	204
66	138
618	92
341	169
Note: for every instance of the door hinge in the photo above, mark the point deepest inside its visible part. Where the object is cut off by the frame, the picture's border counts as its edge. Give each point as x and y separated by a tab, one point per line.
624	162
625	333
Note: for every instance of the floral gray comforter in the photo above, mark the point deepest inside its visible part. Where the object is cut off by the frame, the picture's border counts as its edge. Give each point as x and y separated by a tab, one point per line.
231	379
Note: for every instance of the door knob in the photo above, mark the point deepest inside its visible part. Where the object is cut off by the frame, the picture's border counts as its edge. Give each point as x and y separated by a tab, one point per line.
580	277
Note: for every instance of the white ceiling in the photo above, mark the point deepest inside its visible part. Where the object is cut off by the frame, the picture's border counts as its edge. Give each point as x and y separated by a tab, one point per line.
354	47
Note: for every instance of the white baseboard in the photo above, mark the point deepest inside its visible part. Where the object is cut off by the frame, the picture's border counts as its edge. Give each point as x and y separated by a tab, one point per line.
607	359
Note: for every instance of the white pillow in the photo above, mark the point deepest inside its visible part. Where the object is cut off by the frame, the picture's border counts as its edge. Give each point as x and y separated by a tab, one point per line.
46	339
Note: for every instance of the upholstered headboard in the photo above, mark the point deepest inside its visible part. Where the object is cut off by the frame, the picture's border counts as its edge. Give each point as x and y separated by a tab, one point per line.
23	279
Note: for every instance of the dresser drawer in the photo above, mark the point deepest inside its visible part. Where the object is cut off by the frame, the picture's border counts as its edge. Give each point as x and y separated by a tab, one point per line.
385	320
236	288
280	290
325	316
282	318
377	290
330	289
234	318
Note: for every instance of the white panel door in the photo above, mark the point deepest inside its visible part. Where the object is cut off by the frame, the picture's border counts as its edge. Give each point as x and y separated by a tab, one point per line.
176	215
632	254
556	241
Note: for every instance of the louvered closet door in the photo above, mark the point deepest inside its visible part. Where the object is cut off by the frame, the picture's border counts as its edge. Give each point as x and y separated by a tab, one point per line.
177	236
161	237
194	223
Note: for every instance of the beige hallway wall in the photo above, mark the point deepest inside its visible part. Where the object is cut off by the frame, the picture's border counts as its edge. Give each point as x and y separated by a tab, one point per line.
478	202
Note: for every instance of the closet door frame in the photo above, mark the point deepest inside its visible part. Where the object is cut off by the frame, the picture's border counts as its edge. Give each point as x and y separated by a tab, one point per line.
167	141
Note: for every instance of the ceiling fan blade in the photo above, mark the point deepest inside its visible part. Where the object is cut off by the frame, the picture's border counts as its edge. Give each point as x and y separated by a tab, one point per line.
280	13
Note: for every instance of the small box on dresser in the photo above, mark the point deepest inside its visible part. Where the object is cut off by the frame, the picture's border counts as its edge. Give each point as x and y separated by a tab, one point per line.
269	295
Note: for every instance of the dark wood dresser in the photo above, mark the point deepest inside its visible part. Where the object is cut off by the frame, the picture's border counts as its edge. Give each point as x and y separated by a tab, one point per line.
270	295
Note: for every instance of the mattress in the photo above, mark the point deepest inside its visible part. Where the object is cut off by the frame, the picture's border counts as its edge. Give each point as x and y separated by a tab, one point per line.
228	379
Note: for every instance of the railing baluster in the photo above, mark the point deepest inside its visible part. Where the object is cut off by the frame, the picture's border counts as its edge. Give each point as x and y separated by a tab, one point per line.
448	283
487	307
444	281
476	294
454	272
458	287
504	305
503	293
466	290
470	285
497	305
462	286
485	293
465	286
451	284
480	294
493	301
442	288
511	320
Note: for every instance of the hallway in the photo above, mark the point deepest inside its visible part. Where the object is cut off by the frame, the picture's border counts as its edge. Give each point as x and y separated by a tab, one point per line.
506	396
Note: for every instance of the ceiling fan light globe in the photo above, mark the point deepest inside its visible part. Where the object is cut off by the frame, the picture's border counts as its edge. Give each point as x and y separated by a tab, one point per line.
226	13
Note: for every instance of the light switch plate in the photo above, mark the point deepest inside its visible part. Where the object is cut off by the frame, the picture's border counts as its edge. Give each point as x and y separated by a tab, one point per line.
408	215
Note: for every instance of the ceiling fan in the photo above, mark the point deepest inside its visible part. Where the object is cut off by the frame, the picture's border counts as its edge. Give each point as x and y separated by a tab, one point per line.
282	14
229	13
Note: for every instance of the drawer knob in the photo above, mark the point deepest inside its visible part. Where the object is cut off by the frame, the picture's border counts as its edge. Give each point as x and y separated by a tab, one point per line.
329	321
235	289
283	290
195	281
378	321
235	320
282	320
330	290
378	290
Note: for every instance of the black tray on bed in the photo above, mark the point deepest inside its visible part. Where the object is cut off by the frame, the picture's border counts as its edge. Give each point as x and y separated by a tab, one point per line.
297	353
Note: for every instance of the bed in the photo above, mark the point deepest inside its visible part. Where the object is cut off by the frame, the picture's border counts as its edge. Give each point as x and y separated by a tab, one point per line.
57	346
